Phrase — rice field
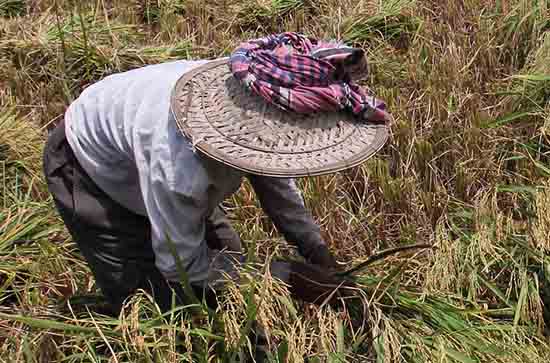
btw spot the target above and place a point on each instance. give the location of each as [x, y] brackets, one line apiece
[465, 170]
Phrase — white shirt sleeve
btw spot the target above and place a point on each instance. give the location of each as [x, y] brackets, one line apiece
[178, 219]
[176, 199]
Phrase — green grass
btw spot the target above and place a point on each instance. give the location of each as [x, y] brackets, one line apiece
[466, 170]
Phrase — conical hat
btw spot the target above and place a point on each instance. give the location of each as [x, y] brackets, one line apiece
[230, 124]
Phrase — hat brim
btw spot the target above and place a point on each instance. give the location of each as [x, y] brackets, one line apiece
[229, 124]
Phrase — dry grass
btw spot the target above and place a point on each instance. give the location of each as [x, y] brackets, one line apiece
[466, 169]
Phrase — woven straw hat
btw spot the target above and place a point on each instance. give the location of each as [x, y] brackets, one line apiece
[230, 124]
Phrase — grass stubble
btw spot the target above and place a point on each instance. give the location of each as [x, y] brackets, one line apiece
[466, 170]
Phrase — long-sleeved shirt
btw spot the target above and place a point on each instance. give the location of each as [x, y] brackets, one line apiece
[124, 135]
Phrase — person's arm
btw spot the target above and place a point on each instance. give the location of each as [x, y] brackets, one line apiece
[178, 219]
[283, 203]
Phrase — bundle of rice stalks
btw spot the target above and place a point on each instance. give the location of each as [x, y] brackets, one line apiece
[525, 35]
[389, 21]
[20, 156]
[92, 48]
[522, 23]
[11, 8]
[412, 325]
[62, 56]
[527, 105]
[153, 11]
[533, 84]
[26, 218]
[282, 7]
[266, 14]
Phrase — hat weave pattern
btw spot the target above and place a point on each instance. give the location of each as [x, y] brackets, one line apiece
[230, 124]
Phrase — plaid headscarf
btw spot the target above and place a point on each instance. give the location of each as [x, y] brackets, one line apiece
[305, 75]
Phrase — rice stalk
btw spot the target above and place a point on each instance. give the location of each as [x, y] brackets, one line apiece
[464, 170]
[11, 8]
[541, 226]
[388, 21]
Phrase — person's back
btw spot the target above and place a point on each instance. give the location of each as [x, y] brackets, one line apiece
[113, 125]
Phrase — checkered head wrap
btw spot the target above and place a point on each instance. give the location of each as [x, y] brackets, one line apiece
[305, 75]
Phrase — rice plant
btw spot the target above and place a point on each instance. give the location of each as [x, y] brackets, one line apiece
[465, 172]
[389, 21]
[11, 8]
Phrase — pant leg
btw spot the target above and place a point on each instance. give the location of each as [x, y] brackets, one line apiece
[115, 242]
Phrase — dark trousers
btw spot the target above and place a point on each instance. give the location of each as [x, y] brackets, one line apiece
[115, 242]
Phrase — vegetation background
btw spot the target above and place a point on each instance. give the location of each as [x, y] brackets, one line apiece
[466, 170]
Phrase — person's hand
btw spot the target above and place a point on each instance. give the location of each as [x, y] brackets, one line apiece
[322, 256]
[313, 284]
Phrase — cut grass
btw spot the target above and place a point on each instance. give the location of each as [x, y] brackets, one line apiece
[391, 21]
[12, 8]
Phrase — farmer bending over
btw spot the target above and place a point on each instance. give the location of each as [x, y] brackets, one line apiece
[144, 158]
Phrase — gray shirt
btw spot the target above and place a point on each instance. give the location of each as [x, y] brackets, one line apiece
[124, 135]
